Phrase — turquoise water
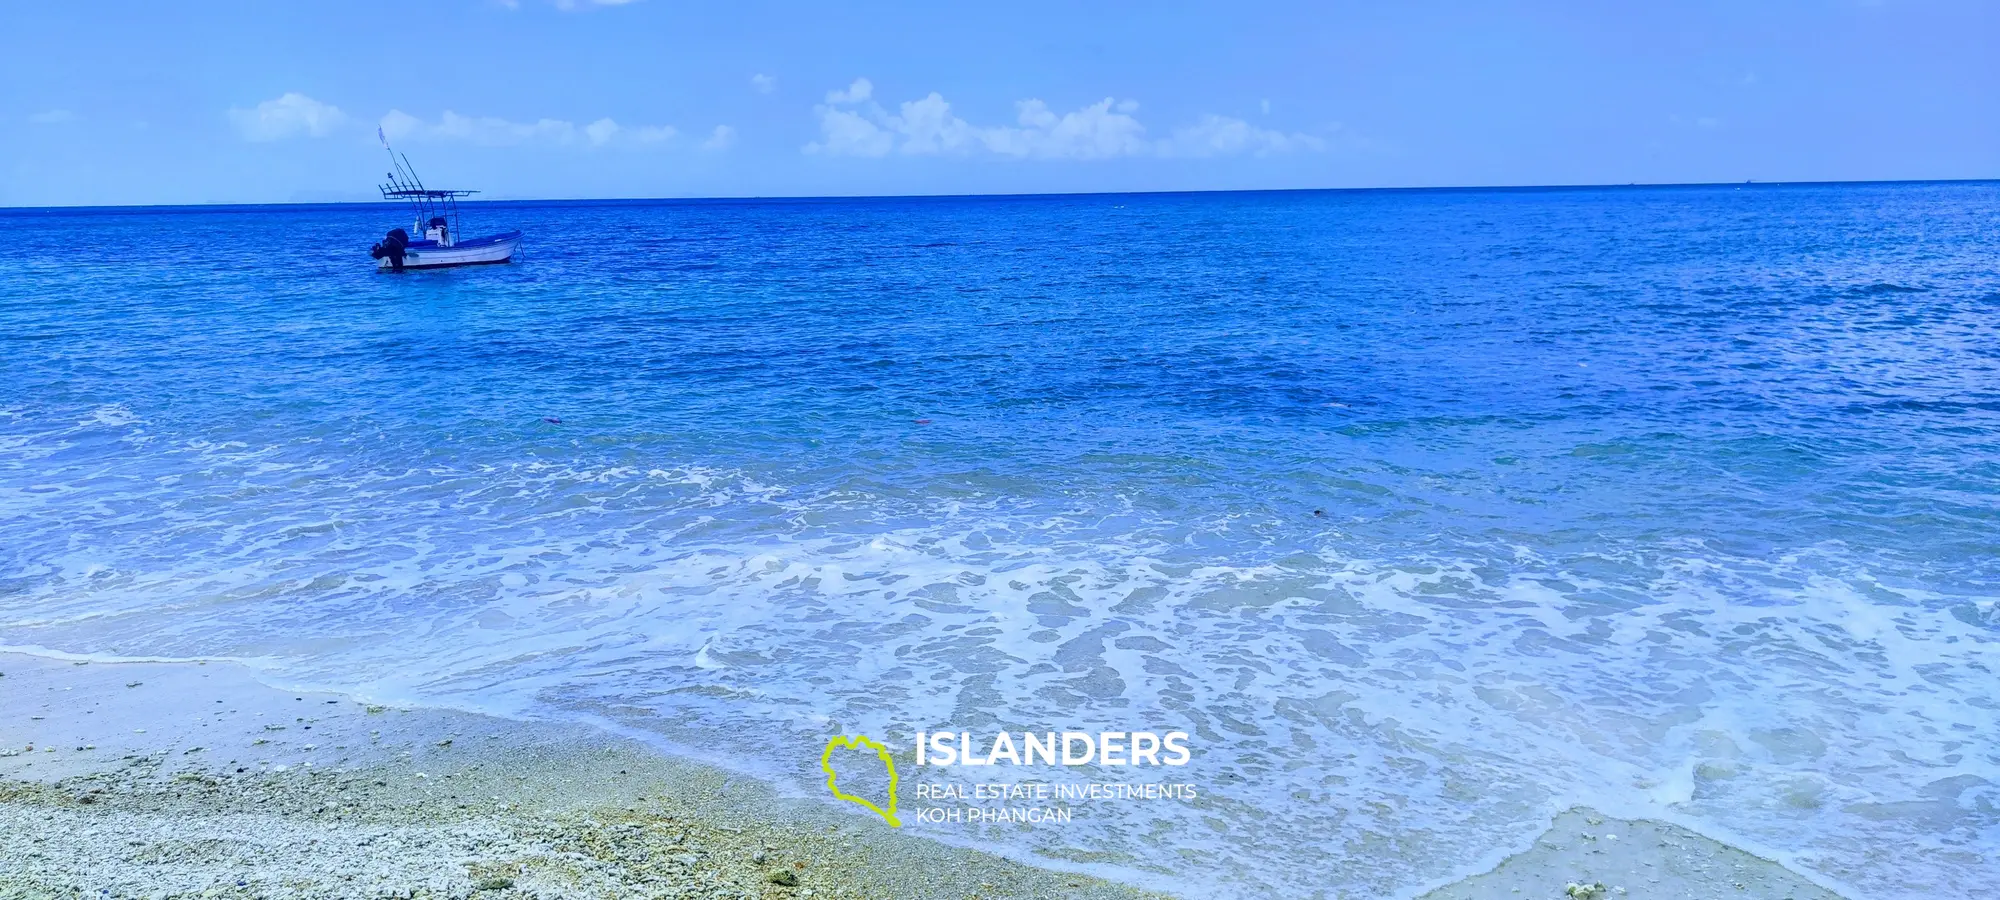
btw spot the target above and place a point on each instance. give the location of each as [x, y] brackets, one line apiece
[1425, 513]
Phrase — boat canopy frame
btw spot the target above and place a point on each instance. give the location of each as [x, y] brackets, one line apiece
[428, 203]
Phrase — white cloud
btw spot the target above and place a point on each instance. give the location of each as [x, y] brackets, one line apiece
[764, 83]
[488, 131]
[1224, 136]
[928, 126]
[485, 131]
[722, 138]
[652, 134]
[52, 117]
[857, 92]
[846, 133]
[601, 131]
[1099, 131]
[852, 124]
[291, 115]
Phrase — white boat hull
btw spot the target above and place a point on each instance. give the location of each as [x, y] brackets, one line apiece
[477, 252]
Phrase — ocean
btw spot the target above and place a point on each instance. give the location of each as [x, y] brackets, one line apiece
[1426, 514]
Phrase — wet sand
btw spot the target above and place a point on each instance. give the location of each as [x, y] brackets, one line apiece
[191, 780]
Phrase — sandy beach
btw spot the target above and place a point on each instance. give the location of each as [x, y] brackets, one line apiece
[189, 780]
[196, 780]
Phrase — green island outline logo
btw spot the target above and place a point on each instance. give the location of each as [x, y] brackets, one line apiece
[882, 753]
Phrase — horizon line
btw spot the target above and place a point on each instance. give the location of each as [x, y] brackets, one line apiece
[1642, 185]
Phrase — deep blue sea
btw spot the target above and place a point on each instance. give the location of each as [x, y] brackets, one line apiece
[1425, 513]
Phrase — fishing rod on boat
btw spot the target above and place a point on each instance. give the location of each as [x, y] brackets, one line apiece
[405, 177]
[395, 247]
[406, 167]
[436, 210]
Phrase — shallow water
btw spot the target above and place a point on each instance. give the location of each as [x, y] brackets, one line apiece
[1425, 513]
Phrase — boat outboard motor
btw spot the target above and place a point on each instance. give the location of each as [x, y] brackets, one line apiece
[392, 246]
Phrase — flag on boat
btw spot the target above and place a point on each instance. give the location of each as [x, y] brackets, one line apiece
[383, 137]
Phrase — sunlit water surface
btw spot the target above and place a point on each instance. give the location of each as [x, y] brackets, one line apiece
[1425, 513]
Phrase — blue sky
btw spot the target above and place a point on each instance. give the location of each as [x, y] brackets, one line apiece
[198, 102]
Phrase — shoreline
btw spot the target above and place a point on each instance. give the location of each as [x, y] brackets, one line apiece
[192, 779]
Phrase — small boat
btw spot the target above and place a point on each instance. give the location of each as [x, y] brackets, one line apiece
[437, 220]
[438, 250]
